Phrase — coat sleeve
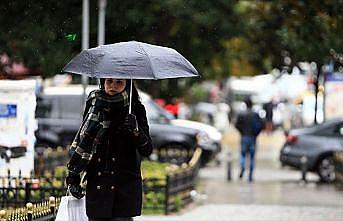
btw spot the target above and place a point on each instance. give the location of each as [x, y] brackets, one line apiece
[143, 141]
[239, 123]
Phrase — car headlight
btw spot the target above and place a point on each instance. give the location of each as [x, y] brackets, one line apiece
[9, 153]
[203, 138]
[287, 149]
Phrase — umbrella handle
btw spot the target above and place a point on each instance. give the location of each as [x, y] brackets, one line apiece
[130, 101]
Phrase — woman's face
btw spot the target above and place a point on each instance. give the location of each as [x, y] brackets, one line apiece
[114, 86]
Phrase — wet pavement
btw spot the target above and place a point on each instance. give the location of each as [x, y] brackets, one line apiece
[227, 212]
[276, 193]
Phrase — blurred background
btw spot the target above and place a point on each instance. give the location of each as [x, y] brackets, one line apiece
[287, 56]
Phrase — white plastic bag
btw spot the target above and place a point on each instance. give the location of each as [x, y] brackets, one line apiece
[72, 209]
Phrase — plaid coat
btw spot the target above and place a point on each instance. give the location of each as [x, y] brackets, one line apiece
[111, 159]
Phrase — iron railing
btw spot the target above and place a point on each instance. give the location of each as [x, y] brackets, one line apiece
[162, 195]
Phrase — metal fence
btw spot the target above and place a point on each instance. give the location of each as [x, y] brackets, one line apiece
[180, 182]
[17, 191]
[162, 195]
[44, 211]
[174, 191]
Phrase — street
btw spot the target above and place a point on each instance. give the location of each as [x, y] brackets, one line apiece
[276, 194]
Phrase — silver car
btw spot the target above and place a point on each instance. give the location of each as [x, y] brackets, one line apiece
[313, 148]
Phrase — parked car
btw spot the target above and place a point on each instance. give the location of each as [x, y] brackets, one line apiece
[8, 152]
[315, 147]
[59, 116]
[209, 137]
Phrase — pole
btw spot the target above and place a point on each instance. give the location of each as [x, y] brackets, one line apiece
[101, 24]
[319, 69]
[85, 41]
[130, 95]
[101, 21]
[303, 161]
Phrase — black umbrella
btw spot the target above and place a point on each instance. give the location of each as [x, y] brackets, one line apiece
[131, 60]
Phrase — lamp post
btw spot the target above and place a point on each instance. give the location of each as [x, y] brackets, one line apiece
[85, 41]
[101, 22]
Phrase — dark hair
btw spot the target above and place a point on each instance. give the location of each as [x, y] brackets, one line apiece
[248, 102]
[135, 96]
[102, 83]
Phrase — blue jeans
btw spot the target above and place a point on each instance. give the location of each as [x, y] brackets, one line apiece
[248, 145]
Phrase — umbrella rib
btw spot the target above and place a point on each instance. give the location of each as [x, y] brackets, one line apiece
[146, 54]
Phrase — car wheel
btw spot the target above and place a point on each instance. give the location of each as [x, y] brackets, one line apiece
[8, 159]
[326, 169]
[173, 153]
[5, 157]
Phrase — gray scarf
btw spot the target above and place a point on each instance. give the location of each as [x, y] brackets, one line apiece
[94, 125]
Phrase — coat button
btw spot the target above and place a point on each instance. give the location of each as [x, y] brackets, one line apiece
[99, 160]
[112, 187]
[99, 173]
[98, 187]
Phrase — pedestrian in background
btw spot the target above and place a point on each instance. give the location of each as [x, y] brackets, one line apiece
[268, 107]
[249, 124]
[109, 148]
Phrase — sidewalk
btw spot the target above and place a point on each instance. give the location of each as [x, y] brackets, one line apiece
[225, 212]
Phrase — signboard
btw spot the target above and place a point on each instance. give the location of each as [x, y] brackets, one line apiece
[8, 110]
[17, 126]
[333, 95]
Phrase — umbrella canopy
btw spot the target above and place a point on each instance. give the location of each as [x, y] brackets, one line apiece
[131, 60]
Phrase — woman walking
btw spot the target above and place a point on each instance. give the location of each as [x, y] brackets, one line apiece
[108, 148]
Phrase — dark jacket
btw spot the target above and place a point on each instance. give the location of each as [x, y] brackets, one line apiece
[246, 123]
[114, 183]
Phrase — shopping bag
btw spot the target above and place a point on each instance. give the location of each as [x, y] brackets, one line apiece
[72, 209]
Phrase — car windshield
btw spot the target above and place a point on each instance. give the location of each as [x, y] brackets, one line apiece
[59, 106]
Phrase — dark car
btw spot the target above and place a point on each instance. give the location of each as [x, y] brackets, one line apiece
[59, 117]
[313, 147]
[12, 152]
[209, 138]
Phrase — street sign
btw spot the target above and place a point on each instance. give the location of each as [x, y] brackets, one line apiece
[8, 110]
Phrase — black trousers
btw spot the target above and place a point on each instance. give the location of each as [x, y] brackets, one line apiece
[112, 219]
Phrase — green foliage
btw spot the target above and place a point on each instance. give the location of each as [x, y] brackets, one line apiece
[178, 202]
[306, 30]
[60, 171]
[219, 37]
[153, 202]
[196, 94]
[34, 31]
[152, 169]
[37, 34]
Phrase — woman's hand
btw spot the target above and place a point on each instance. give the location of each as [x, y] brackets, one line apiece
[73, 181]
[130, 124]
[76, 191]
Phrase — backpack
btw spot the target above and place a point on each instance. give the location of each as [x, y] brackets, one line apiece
[257, 124]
